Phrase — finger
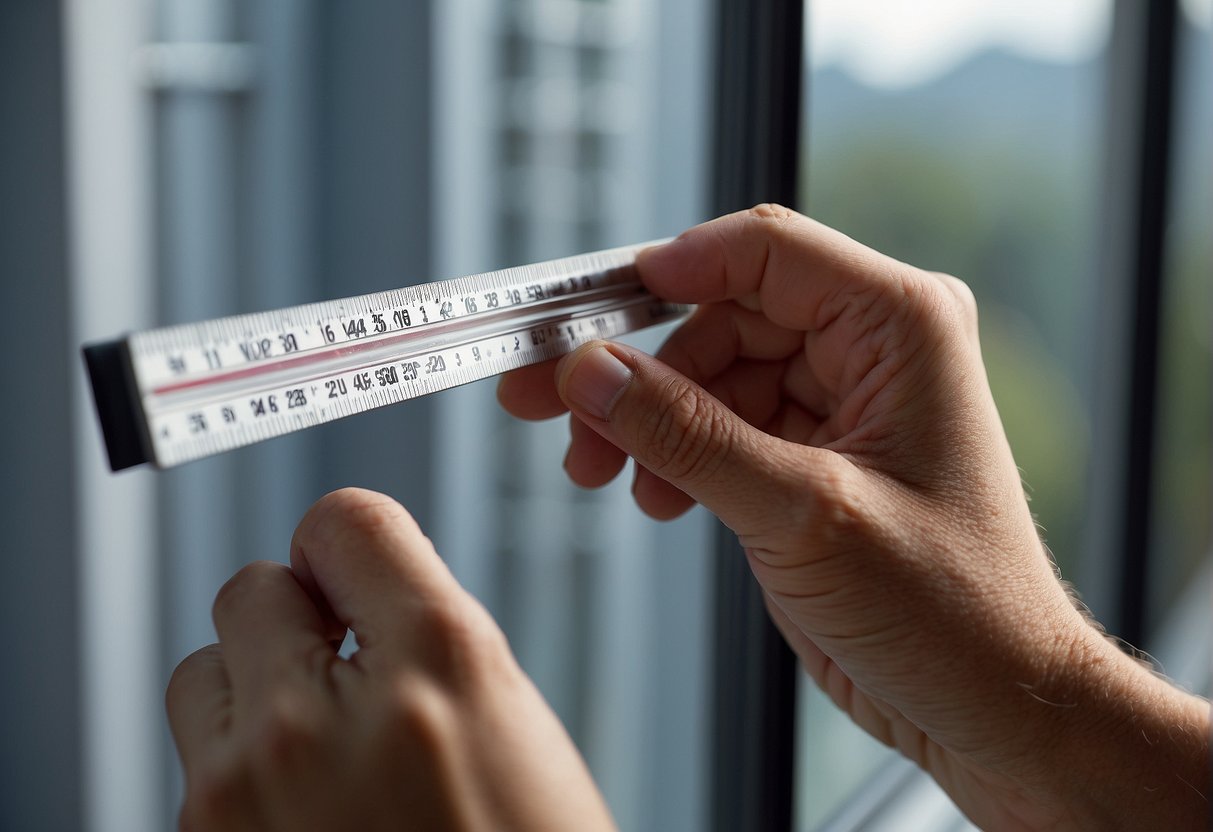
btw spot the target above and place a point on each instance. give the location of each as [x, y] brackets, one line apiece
[366, 555]
[592, 461]
[802, 273]
[968, 304]
[269, 630]
[751, 389]
[717, 335]
[658, 498]
[804, 388]
[733, 352]
[687, 437]
[198, 702]
[795, 424]
[530, 392]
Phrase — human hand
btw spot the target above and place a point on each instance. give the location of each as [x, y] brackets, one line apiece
[830, 405]
[429, 725]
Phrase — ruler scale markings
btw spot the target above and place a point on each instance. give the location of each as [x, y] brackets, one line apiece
[174, 394]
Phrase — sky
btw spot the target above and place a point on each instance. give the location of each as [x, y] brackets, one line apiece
[897, 43]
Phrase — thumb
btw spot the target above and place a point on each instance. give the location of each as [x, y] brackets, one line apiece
[687, 437]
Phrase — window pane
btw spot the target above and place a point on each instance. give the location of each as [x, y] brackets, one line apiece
[366, 146]
[583, 127]
[966, 138]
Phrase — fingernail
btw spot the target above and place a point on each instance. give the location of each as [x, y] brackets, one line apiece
[596, 381]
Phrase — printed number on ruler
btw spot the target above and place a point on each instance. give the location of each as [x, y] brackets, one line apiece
[216, 385]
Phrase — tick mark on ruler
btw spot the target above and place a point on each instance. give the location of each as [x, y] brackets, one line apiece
[546, 296]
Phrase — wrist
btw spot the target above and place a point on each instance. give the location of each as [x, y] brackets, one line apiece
[1131, 751]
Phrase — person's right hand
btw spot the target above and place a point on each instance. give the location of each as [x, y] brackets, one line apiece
[830, 405]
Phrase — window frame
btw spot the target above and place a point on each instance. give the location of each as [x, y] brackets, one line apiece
[759, 55]
[1152, 206]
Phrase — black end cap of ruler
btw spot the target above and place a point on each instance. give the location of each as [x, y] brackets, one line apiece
[114, 393]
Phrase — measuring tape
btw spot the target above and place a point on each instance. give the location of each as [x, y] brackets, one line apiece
[176, 394]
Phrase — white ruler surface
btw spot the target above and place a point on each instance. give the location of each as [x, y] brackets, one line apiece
[168, 396]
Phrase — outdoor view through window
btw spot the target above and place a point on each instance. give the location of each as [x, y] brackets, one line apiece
[969, 138]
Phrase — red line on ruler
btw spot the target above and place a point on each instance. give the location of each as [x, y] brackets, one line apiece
[324, 354]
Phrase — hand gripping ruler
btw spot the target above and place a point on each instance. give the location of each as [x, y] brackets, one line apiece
[168, 396]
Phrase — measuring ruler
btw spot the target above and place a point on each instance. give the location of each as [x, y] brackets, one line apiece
[168, 396]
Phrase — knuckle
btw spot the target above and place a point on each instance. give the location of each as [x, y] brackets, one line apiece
[688, 438]
[946, 300]
[244, 583]
[362, 510]
[773, 221]
[463, 646]
[964, 295]
[367, 515]
[179, 680]
[183, 675]
[838, 510]
[964, 302]
[420, 715]
[291, 730]
[772, 212]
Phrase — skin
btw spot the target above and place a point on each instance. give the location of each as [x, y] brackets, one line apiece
[431, 724]
[830, 406]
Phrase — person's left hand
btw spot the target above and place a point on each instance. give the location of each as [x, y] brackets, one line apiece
[431, 724]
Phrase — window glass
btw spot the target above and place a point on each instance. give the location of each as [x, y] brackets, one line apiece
[1183, 493]
[573, 117]
[965, 138]
[366, 146]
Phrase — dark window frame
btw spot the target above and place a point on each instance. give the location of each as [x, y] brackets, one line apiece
[759, 60]
[1156, 106]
